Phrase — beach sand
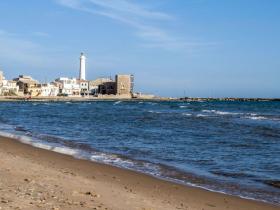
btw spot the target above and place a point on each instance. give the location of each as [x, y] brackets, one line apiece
[33, 178]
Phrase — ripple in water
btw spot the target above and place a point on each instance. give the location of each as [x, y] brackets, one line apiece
[231, 147]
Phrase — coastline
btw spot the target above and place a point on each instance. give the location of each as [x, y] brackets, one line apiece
[119, 98]
[34, 178]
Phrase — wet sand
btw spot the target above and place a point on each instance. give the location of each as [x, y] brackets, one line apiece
[33, 178]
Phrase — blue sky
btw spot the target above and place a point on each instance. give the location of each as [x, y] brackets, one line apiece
[209, 48]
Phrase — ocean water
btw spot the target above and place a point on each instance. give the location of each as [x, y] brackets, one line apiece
[229, 147]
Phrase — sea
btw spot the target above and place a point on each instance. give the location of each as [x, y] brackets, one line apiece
[229, 147]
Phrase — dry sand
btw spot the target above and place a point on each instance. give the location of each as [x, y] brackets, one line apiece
[32, 178]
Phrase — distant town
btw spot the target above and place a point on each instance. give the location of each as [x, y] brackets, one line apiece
[25, 87]
[105, 88]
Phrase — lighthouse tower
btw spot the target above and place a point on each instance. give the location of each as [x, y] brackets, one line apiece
[82, 67]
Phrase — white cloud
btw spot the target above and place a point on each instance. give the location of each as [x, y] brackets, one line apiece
[41, 34]
[127, 7]
[25, 55]
[20, 50]
[143, 20]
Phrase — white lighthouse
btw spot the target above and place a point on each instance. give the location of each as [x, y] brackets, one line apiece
[82, 67]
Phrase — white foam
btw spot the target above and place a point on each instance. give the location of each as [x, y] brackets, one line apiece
[183, 106]
[253, 114]
[8, 135]
[24, 139]
[187, 114]
[65, 151]
[30, 141]
[151, 103]
[151, 111]
[117, 102]
[209, 111]
[220, 112]
[257, 118]
[202, 115]
[112, 160]
[42, 146]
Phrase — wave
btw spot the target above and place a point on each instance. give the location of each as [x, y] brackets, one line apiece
[33, 142]
[187, 114]
[251, 116]
[221, 112]
[256, 117]
[182, 106]
[157, 170]
[117, 102]
[156, 112]
[151, 103]
[202, 115]
[111, 159]
[20, 128]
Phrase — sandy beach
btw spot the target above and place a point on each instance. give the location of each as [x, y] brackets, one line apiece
[33, 178]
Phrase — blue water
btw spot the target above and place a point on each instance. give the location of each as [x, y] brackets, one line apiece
[231, 147]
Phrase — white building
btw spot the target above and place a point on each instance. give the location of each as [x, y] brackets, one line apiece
[68, 86]
[82, 67]
[49, 90]
[10, 87]
[1, 77]
[84, 87]
[7, 87]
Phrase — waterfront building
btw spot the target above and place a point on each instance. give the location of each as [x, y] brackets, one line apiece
[49, 90]
[7, 87]
[27, 85]
[1, 81]
[68, 86]
[84, 87]
[82, 67]
[34, 90]
[94, 85]
[107, 88]
[124, 84]
[1, 77]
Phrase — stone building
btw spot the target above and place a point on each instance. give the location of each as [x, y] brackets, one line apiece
[107, 88]
[27, 85]
[95, 85]
[124, 84]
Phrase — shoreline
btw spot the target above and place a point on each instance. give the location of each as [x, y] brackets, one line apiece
[135, 187]
[116, 98]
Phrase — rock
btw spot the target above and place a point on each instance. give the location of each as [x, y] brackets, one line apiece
[88, 193]
[273, 183]
[82, 203]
